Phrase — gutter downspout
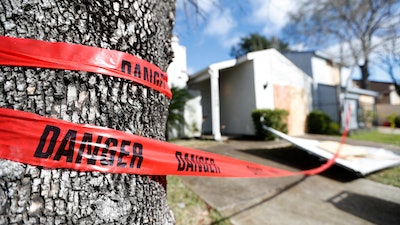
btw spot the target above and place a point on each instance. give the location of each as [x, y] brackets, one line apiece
[215, 108]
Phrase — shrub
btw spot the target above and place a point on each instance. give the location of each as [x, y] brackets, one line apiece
[276, 119]
[394, 120]
[391, 119]
[319, 122]
[175, 117]
[397, 121]
[333, 129]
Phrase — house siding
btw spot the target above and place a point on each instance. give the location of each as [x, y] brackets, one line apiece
[205, 90]
[328, 101]
[237, 99]
[323, 72]
[288, 88]
[263, 83]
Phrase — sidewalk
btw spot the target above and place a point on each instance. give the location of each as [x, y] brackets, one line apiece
[389, 130]
[334, 197]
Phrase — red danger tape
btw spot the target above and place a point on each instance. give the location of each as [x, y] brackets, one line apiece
[52, 143]
[60, 55]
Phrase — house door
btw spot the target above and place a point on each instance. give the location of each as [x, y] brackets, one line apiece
[352, 104]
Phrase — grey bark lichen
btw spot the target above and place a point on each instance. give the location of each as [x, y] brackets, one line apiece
[34, 195]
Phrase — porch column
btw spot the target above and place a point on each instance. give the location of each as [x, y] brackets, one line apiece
[215, 111]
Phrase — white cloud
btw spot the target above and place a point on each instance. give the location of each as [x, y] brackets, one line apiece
[273, 15]
[222, 18]
[345, 51]
[206, 5]
[299, 47]
[231, 40]
[214, 18]
[220, 23]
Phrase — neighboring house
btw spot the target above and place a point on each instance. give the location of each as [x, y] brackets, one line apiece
[332, 89]
[326, 80]
[388, 101]
[393, 96]
[386, 92]
[178, 77]
[232, 89]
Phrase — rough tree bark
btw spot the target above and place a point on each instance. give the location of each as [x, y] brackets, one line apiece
[34, 195]
[364, 75]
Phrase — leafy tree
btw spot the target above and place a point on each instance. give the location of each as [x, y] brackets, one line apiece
[177, 105]
[358, 27]
[37, 195]
[255, 42]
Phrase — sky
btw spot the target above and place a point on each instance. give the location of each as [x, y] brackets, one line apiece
[209, 35]
[208, 39]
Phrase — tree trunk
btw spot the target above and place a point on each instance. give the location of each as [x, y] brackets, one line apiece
[34, 195]
[364, 75]
[392, 76]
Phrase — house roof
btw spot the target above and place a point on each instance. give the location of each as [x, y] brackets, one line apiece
[204, 73]
[319, 54]
[362, 92]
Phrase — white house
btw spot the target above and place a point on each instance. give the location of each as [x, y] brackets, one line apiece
[232, 89]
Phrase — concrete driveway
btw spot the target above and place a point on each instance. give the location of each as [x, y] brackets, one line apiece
[335, 197]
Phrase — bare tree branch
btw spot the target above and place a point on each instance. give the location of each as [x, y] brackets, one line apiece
[353, 23]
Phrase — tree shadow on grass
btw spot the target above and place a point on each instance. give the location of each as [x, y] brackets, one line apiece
[299, 159]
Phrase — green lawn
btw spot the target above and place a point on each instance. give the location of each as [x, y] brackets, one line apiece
[375, 136]
[389, 176]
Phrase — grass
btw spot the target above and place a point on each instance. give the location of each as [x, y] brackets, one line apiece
[389, 176]
[375, 136]
[188, 208]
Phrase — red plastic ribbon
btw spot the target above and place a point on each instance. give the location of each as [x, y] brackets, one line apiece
[53, 143]
[60, 55]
